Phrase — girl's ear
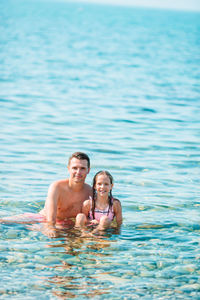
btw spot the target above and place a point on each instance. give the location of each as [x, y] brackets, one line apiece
[112, 186]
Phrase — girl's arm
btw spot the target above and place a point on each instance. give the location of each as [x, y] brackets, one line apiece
[117, 211]
[86, 207]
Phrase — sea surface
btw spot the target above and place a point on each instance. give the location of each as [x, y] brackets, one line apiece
[123, 85]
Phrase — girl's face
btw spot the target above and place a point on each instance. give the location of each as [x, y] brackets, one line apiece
[103, 185]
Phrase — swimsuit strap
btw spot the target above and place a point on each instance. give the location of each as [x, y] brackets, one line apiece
[109, 209]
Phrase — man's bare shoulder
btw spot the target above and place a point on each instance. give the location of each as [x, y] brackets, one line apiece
[59, 184]
[88, 187]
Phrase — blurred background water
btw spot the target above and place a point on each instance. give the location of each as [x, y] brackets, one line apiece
[122, 85]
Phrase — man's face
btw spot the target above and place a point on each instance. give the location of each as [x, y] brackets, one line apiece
[78, 169]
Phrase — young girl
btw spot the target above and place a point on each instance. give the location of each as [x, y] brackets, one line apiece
[102, 208]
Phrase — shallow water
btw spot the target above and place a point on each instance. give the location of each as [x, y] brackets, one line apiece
[121, 84]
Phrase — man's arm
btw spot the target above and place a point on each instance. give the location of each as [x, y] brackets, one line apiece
[51, 203]
[51, 210]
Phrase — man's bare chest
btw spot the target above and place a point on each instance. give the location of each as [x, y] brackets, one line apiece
[69, 205]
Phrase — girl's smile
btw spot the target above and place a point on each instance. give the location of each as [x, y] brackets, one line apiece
[103, 185]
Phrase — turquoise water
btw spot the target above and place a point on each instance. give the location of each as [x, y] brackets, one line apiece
[122, 85]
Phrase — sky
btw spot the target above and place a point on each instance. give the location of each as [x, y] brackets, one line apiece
[193, 5]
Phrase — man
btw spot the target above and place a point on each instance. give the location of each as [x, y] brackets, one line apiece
[66, 196]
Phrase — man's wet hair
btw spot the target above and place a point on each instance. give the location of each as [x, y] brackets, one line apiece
[81, 156]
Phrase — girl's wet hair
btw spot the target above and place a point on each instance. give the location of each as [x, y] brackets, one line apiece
[94, 194]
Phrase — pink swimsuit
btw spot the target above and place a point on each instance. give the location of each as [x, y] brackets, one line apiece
[99, 213]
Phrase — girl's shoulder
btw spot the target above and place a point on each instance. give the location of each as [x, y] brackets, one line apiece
[115, 200]
[116, 203]
[87, 203]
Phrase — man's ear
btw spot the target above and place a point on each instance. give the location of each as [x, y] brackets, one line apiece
[68, 168]
[112, 185]
[88, 170]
